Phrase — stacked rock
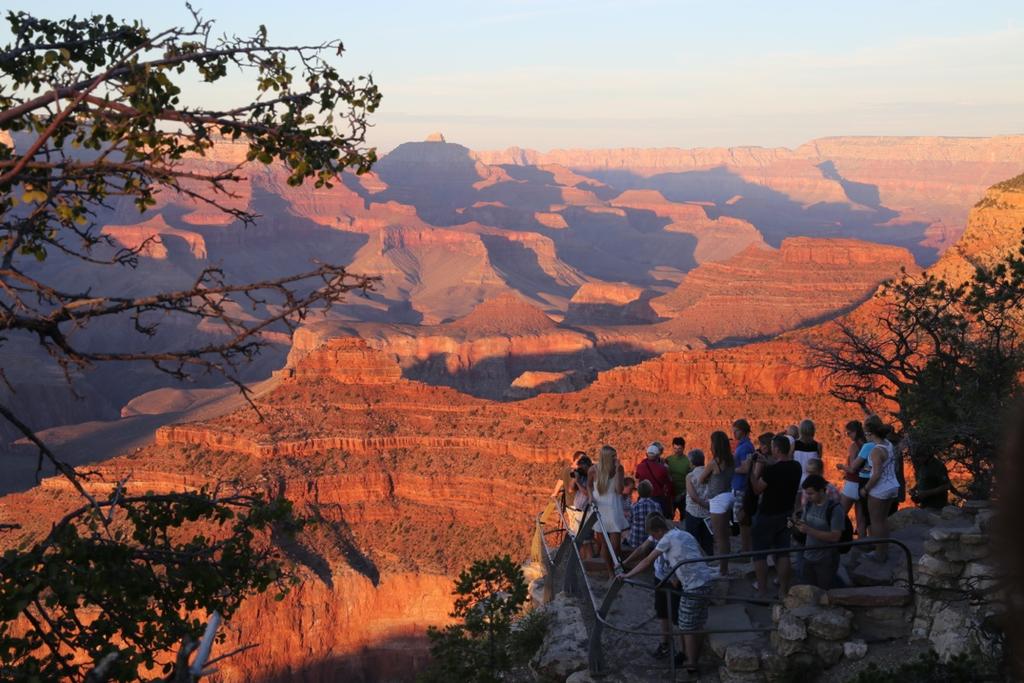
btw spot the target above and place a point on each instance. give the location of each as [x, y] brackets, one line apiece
[810, 635]
[959, 594]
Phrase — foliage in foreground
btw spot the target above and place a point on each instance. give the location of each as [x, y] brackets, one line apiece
[104, 117]
[135, 575]
[947, 357]
[488, 597]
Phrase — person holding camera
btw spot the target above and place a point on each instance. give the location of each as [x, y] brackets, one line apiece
[777, 485]
[822, 522]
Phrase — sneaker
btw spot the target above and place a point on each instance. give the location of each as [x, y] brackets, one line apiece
[661, 652]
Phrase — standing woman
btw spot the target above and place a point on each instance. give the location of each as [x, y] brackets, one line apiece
[698, 513]
[851, 473]
[718, 476]
[606, 493]
[883, 486]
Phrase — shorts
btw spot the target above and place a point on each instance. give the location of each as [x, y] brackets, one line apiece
[666, 601]
[821, 573]
[693, 608]
[771, 532]
[851, 489]
[722, 503]
[737, 508]
[885, 494]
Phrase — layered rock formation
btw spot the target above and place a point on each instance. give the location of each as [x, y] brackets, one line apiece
[615, 303]
[927, 184]
[763, 291]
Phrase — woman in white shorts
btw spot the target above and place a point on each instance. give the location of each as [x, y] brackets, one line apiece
[883, 486]
[718, 478]
[852, 480]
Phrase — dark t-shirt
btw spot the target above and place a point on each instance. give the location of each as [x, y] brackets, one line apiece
[930, 475]
[783, 480]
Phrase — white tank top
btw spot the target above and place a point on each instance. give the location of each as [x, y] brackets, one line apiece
[887, 480]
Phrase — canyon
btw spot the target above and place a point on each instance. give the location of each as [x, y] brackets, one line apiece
[612, 245]
[531, 304]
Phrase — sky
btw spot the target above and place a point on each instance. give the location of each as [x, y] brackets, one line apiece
[547, 74]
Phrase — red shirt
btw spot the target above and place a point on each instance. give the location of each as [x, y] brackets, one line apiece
[657, 473]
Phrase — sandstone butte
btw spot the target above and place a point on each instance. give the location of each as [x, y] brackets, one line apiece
[764, 291]
[414, 480]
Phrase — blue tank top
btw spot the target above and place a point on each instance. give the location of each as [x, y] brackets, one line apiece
[865, 455]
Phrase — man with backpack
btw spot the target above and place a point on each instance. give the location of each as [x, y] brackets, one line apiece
[823, 522]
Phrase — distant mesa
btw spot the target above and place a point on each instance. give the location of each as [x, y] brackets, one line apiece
[533, 382]
[349, 361]
[610, 303]
[504, 315]
[436, 136]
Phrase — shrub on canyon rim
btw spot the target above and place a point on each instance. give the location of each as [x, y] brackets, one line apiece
[96, 116]
[948, 358]
[488, 597]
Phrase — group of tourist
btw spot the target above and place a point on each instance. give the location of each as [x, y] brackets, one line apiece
[773, 495]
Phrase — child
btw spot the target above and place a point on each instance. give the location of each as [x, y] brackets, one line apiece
[666, 547]
[642, 508]
[817, 467]
[628, 487]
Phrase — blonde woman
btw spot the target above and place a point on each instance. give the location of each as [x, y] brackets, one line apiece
[606, 479]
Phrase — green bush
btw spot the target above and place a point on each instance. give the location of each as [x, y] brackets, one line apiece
[527, 635]
[928, 668]
[488, 596]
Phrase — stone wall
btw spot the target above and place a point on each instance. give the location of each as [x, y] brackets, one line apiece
[959, 593]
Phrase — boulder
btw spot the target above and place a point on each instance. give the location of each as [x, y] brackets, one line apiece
[883, 623]
[587, 677]
[741, 657]
[773, 663]
[951, 633]
[727, 676]
[828, 651]
[869, 596]
[791, 628]
[950, 533]
[787, 648]
[805, 595]
[871, 573]
[855, 649]
[831, 624]
[564, 650]
[911, 516]
[933, 566]
[979, 576]
[984, 520]
[967, 552]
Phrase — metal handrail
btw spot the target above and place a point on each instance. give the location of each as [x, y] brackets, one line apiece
[800, 549]
[600, 612]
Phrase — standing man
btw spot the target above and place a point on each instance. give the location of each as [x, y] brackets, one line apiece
[654, 470]
[742, 457]
[678, 467]
[777, 485]
[931, 481]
